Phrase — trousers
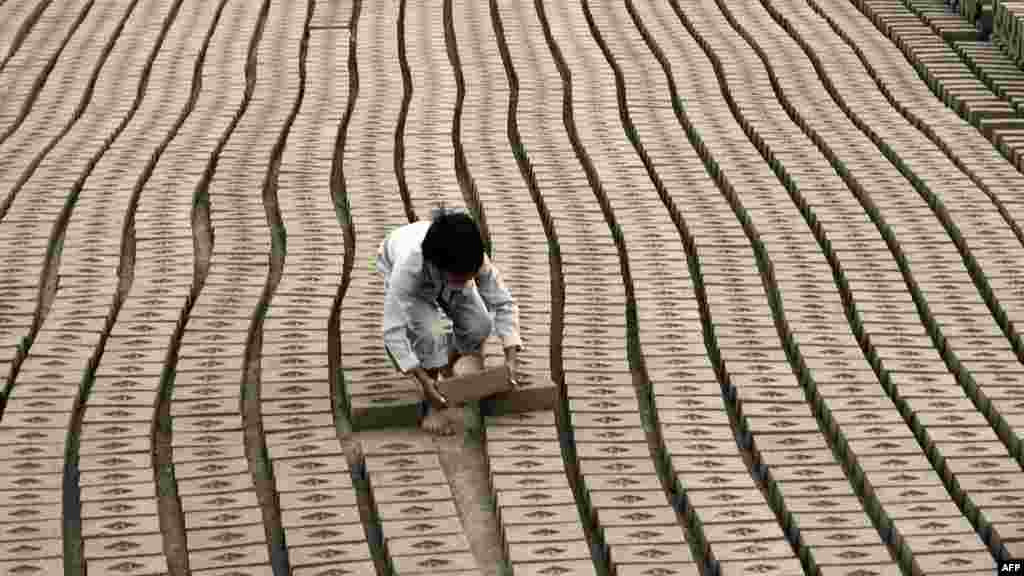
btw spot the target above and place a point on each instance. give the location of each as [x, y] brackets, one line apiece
[457, 319]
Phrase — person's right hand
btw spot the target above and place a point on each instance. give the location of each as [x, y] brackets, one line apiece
[430, 390]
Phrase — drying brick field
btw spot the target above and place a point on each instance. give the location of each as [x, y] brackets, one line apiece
[768, 256]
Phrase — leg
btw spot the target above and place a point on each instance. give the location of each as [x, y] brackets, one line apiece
[430, 338]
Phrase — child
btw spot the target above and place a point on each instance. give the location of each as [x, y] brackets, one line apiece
[429, 268]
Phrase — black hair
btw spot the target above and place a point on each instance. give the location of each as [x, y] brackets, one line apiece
[453, 243]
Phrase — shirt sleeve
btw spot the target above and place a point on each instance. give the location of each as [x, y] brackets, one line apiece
[402, 285]
[499, 299]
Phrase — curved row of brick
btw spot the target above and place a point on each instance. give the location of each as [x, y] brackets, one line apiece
[940, 66]
[1007, 23]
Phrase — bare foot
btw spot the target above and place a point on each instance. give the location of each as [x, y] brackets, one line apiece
[436, 422]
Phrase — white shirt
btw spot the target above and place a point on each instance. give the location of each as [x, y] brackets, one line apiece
[410, 276]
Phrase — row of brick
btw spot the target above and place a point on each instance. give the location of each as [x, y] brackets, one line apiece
[320, 518]
[841, 414]
[419, 520]
[51, 386]
[927, 418]
[633, 519]
[28, 225]
[1008, 16]
[975, 372]
[54, 34]
[789, 447]
[951, 79]
[1000, 73]
[946, 23]
[540, 528]
[516, 233]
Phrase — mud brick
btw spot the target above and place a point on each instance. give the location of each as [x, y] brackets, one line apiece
[874, 431]
[306, 449]
[548, 551]
[971, 420]
[295, 467]
[284, 439]
[526, 464]
[608, 420]
[90, 447]
[116, 546]
[320, 515]
[382, 478]
[418, 510]
[707, 464]
[607, 499]
[910, 510]
[11, 483]
[205, 439]
[334, 534]
[764, 550]
[30, 436]
[1009, 498]
[215, 485]
[983, 465]
[293, 390]
[527, 432]
[207, 423]
[211, 364]
[617, 466]
[991, 482]
[432, 544]
[221, 518]
[434, 563]
[219, 502]
[38, 566]
[135, 566]
[701, 433]
[839, 539]
[564, 568]
[541, 533]
[900, 445]
[106, 462]
[277, 422]
[970, 449]
[359, 568]
[904, 478]
[955, 561]
[849, 503]
[237, 535]
[895, 463]
[235, 556]
[104, 527]
[544, 514]
[34, 451]
[316, 491]
[402, 463]
[423, 527]
[119, 508]
[29, 497]
[944, 543]
[651, 516]
[207, 406]
[412, 493]
[184, 471]
[197, 454]
[31, 550]
[931, 526]
[535, 497]
[118, 476]
[208, 378]
[609, 450]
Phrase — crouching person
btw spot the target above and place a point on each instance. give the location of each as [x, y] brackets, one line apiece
[434, 269]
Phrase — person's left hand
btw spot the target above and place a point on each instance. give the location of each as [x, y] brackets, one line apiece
[512, 363]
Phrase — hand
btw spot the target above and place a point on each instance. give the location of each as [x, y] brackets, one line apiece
[430, 391]
[512, 363]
